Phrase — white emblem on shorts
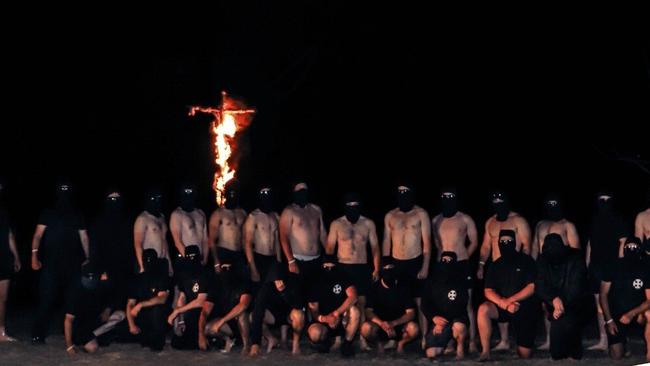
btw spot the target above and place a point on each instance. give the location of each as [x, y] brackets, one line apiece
[637, 284]
[452, 295]
[195, 288]
[337, 289]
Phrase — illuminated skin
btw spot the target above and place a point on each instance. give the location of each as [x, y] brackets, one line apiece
[351, 240]
[489, 246]
[225, 230]
[642, 225]
[565, 228]
[451, 234]
[261, 236]
[150, 232]
[408, 235]
[302, 231]
[189, 228]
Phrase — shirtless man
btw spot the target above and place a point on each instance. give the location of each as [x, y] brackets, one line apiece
[349, 236]
[261, 242]
[407, 238]
[554, 222]
[150, 230]
[302, 233]
[225, 231]
[503, 219]
[455, 231]
[642, 222]
[188, 224]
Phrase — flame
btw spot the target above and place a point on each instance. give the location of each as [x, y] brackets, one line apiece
[230, 118]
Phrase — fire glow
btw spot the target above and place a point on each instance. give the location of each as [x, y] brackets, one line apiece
[229, 119]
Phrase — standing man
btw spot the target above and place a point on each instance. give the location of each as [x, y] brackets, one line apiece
[150, 230]
[59, 248]
[188, 224]
[9, 262]
[225, 231]
[261, 241]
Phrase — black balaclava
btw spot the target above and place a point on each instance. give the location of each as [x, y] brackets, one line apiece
[153, 204]
[405, 198]
[89, 277]
[265, 199]
[301, 194]
[64, 196]
[632, 251]
[553, 208]
[507, 244]
[448, 264]
[150, 260]
[604, 202]
[554, 249]
[188, 198]
[192, 263]
[387, 271]
[113, 204]
[448, 202]
[232, 198]
[352, 207]
[500, 205]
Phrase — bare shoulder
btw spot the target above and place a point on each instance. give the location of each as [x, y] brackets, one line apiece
[421, 212]
[288, 211]
[518, 219]
[315, 208]
[644, 215]
[178, 211]
[466, 218]
[368, 222]
[436, 219]
[389, 215]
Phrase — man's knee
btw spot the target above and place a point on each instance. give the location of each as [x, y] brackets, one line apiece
[317, 333]
[369, 331]
[412, 329]
[484, 310]
[91, 347]
[458, 330]
[297, 318]
[646, 315]
[524, 352]
[354, 313]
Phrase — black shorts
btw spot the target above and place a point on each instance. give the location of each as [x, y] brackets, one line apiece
[466, 269]
[309, 275]
[383, 336]
[595, 273]
[280, 314]
[439, 340]
[6, 268]
[263, 264]
[407, 273]
[82, 332]
[523, 322]
[623, 331]
[359, 275]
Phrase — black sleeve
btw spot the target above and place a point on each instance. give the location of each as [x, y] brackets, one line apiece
[261, 302]
[543, 287]
[134, 289]
[530, 270]
[204, 284]
[491, 280]
[428, 306]
[609, 271]
[72, 305]
[407, 300]
[45, 217]
[577, 288]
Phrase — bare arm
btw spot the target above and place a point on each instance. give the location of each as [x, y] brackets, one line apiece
[286, 219]
[523, 235]
[175, 227]
[139, 229]
[194, 304]
[67, 330]
[523, 294]
[14, 251]
[374, 248]
[588, 253]
[332, 239]
[604, 300]
[349, 301]
[472, 235]
[572, 236]
[426, 244]
[535, 250]
[642, 307]
[493, 296]
[244, 301]
[36, 243]
[407, 317]
[638, 227]
[213, 235]
[159, 299]
[276, 239]
[248, 234]
[386, 244]
[85, 242]
[486, 246]
[205, 243]
[436, 236]
[323, 231]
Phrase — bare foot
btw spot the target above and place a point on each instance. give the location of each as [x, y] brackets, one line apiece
[600, 346]
[485, 356]
[502, 346]
[337, 344]
[6, 338]
[390, 344]
[449, 350]
[272, 342]
[363, 345]
[296, 350]
[460, 352]
[229, 344]
[545, 346]
[400, 347]
[255, 350]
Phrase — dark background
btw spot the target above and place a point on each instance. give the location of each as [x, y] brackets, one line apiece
[352, 98]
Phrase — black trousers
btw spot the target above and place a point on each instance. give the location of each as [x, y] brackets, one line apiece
[566, 337]
[190, 337]
[52, 286]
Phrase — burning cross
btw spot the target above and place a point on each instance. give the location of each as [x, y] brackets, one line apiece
[224, 128]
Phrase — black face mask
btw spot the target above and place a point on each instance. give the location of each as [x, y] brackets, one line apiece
[604, 206]
[352, 213]
[232, 199]
[265, 202]
[113, 205]
[553, 211]
[63, 198]
[632, 253]
[449, 205]
[554, 249]
[301, 197]
[188, 201]
[405, 200]
[501, 210]
[388, 276]
[154, 205]
[507, 247]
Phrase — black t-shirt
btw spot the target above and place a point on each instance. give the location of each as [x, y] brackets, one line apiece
[225, 295]
[193, 285]
[6, 257]
[61, 245]
[147, 285]
[629, 283]
[329, 292]
[606, 231]
[389, 303]
[111, 246]
[82, 303]
[446, 295]
[507, 277]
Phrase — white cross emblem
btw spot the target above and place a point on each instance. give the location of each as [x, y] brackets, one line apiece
[195, 288]
[452, 295]
[337, 289]
[637, 284]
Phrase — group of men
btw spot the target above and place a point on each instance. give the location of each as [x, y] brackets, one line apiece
[274, 274]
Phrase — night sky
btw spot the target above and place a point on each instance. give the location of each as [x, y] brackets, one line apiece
[351, 98]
